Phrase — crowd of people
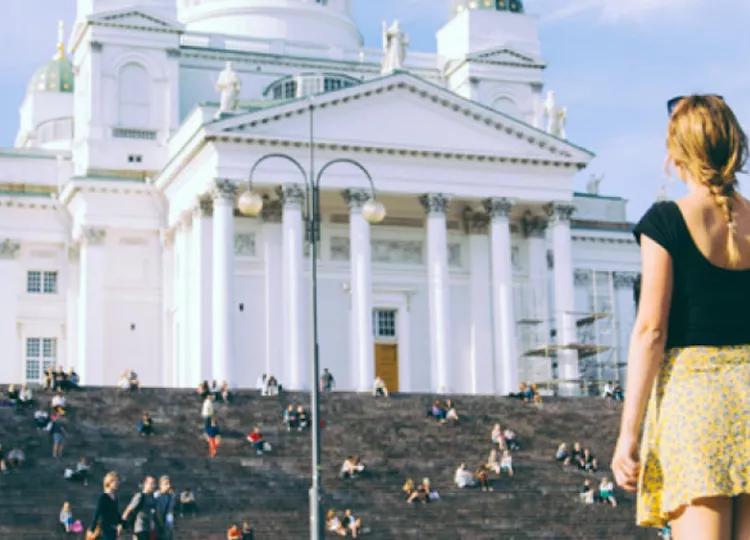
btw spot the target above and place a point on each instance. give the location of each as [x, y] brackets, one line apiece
[443, 412]
[343, 525]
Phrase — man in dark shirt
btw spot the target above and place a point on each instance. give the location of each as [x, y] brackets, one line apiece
[326, 381]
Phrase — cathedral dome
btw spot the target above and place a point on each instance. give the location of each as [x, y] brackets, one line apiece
[55, 76]
[323, 23]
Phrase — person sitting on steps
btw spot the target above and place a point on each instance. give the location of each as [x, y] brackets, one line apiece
[145, 425]
[351, 468]
[482, 475]
[451, 414]
[353, 524]
[303, 419]
[379, 388]
[333, 523]
[256, 439]
[463, 477]
[203, 390]
[506, 463]
[562, 453]
[290, 418]
[187, 503]
[437, 411]
[493, 463]
[511, 440]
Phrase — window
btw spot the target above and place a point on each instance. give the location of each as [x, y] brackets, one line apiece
[50, 282]
[34, 282]
[384, 322]
[134, 88]
[41, 354]
[41, 282]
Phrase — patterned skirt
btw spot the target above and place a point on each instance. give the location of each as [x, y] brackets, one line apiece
[696, 437]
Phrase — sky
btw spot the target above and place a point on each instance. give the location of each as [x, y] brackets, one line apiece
[612, 63]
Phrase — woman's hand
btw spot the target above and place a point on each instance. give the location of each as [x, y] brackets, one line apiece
[625, 465]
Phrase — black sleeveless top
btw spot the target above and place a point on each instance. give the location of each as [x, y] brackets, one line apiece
[710, 305]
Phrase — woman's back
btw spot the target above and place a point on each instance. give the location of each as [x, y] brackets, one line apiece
[710, 303]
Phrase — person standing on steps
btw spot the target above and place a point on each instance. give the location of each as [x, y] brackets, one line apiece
[207, 410]
[688, 378]
[142, 509]
[327, 382]
[107, 518]
[165, 504]
[57, 433]
[213, 436]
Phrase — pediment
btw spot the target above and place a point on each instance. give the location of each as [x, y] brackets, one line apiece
[136, 18]
[405, 114]
[506, 56]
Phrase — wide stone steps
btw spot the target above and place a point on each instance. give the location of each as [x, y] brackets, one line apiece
[394, 437]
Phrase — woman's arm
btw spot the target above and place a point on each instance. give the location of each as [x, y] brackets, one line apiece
[644, 356]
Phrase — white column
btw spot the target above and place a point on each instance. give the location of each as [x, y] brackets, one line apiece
[272, 287]
[360, 268]
[11, 282]
[503, 316]
[92, 354]
[200, 306]
[435, 205]
[71, 307]
[537, 293]
[184, 296]
[293, 299]
[565, 318]
[480, 354]
[168, 279]
[223, 281]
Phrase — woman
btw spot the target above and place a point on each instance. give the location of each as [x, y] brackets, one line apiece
[333, 523]
[107, 514]
[493, 463]
[607, 492]
[690, 347]
[497, 437]
[506, 463]
[213, 436]
[66, 517]
[562, 452]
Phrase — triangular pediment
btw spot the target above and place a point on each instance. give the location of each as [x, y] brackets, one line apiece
[506, 56]
[139, 18]
[405, 114]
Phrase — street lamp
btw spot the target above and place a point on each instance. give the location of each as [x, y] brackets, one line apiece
[373, 211]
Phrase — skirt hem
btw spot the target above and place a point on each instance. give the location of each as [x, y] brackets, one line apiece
[660, 520]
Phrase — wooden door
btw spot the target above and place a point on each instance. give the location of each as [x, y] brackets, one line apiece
[386, 364]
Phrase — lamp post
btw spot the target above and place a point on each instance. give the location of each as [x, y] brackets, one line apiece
[250, 203]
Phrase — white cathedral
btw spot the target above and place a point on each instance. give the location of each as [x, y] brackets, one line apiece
[122, 245]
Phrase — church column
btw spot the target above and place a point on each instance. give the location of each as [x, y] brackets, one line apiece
[10, 283]
[293, 299]
[200, 303]
[272, 286]
[184, 297]
[360, 269]
[503, 316]
[168, 314]
[72, 282]
[480, 354]
[223, 281]
[565, 321]
[537, 293]
[435, 205]
[91, 307]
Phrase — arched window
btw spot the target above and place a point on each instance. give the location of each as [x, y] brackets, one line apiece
[135, 94]
[506, 105]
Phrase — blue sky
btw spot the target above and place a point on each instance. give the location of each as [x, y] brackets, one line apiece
[613, 63]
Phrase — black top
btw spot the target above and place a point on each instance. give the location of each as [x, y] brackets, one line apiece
[106, 514]
[710, 305]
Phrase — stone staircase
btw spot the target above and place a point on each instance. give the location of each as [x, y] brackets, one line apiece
[394, 437]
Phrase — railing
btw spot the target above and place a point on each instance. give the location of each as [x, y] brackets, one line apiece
[134, 133]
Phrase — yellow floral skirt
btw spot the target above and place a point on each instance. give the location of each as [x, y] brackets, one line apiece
[696, 437]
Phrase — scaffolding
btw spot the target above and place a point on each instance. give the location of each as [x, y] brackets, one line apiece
[596, 342]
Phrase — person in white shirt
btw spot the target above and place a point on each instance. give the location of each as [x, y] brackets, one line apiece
[207, 410]
[333, 523]
[463, 477]
[260, 383]
[379, 388]
[59, 402]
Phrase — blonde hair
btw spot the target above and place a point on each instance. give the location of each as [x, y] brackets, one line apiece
[706, 141]
[109, 479]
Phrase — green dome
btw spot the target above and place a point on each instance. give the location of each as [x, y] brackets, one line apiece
[514, 6]
[56, 76]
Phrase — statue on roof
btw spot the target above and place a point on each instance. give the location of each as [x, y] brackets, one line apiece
[592, 186]
[395, 42]
[229, 84]
[556, 116]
